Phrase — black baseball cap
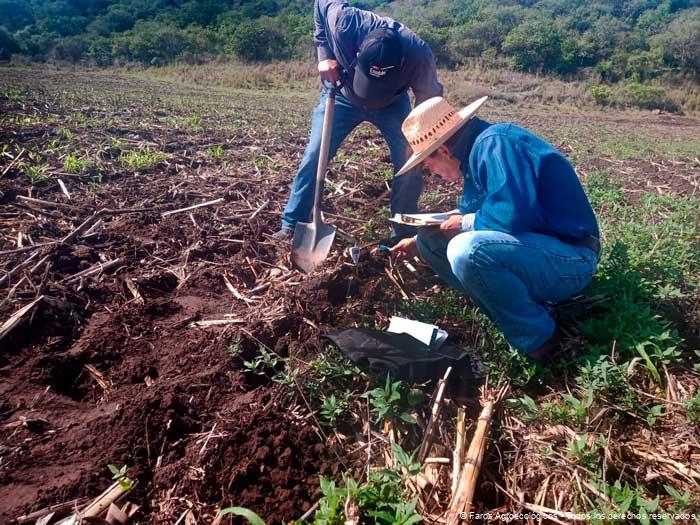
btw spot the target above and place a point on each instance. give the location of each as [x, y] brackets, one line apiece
[378, 69]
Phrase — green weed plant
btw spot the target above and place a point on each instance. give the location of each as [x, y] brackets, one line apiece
[141, 159]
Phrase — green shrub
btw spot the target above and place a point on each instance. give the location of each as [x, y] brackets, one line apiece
[680, 44]
[8, 45]
[70, 49]
[380, 499]
[643, 96]
[601, 94]
[534, 45]
[259, 39]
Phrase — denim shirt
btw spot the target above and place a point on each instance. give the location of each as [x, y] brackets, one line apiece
[339, 32]
[516, 182]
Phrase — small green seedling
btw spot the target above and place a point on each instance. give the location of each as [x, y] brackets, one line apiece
[119, 475]
[331, 408]
[74, 164]
[37, 174]
[391, 402]
[266, 360]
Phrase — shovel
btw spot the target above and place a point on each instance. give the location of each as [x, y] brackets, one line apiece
[312, 241]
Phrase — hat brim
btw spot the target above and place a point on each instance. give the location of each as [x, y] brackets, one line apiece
[464, 115]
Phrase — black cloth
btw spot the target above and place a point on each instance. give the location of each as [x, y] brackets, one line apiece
[405, 357]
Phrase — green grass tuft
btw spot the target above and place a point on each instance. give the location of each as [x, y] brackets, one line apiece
[140, 159]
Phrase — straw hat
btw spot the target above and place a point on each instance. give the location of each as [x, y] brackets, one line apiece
[431, 124]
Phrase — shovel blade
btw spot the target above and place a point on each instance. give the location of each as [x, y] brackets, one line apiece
[311, 244]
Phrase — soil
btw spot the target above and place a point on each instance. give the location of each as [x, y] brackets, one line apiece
[176, 407]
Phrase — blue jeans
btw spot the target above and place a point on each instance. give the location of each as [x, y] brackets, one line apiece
[510, 277]
[405, 190]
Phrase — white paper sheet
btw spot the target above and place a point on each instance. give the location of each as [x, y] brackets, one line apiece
[428, 334]
[423, 219]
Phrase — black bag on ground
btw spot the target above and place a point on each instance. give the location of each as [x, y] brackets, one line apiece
[405, 357]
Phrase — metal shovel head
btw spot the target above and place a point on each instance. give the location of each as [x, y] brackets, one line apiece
[311, 243]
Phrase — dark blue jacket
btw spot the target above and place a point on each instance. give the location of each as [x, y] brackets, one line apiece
[339, 31]
[516, 182]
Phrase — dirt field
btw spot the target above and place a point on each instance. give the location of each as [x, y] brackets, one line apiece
[111, 367]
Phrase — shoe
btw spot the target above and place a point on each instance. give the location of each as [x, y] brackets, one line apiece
[545, 352]
[284, 234]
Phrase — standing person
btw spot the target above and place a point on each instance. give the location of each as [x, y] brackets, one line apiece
[378, 59]
[526, 234]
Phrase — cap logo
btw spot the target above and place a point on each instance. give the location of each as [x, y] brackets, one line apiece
[379, 72]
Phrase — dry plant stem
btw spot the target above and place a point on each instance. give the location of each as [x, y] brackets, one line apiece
[21, 265]
[17, 317]
[49, 204]
[543, 511]
[63, 188]
[676, 466]
[105, 212]
[217, 322]
[103, 501]
[202, 205]
[458, 456]
[44, 279]
[115, 516]
[464, 495]
[131, 285]
[37, 266]
[206, 441]
[343, 218]
[352, 512]
[309, 512]
[12, 291]
[235, 292]
[98, 268]
[81, 228]
[393, 280]
[27, 248]
[98, 377]
[437, 461]
[59, 507]
[13, 163]
[84, 226]
[261, 208]
[369, 440]
[434, 416]
[130, 508]
[32, 210]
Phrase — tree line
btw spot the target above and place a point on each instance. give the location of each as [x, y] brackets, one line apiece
[620, 39]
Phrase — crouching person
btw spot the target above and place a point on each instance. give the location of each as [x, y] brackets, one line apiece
[526, 234]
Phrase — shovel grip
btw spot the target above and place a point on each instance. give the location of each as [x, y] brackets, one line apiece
[335, 86]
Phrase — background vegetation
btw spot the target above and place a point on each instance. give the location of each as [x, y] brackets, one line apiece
[637, 40]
